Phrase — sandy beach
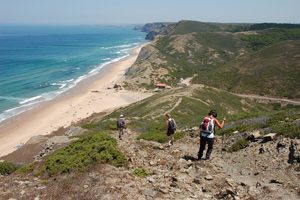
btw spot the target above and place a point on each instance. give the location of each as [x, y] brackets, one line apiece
[61, 112]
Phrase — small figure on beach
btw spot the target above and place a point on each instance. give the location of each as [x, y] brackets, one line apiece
[170, 129]
[19, 146]
[120, 126]
[207, 129]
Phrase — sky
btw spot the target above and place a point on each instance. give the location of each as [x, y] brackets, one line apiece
[147, 11]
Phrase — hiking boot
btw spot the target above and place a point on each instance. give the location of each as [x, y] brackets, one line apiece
[207, 159]
[172, 143]
[198, 158]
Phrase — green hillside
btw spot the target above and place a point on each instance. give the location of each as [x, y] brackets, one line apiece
[186, 27]
[272, 71]
[187, 105]
[263, 61]
[186, 55]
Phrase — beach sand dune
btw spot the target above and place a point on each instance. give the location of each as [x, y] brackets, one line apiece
[51, 116]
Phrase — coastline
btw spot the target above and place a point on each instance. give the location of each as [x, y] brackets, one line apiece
[79, 103]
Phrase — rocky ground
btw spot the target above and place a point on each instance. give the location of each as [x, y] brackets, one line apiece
[267, 169]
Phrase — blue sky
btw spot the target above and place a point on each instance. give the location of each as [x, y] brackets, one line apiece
[147, 11]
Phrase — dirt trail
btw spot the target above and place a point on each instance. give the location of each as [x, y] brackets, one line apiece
[270, 98]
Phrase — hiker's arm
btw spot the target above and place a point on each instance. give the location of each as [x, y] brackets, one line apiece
[218, 123]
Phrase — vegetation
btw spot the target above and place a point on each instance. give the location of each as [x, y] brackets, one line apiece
[269, 37]
[27, 168]
[272, 71]
[241, 144]
[261, 62]
[6, 168]
[283, 123]
[187, 106]
[141, 172]
[186, 27]
[93, 148]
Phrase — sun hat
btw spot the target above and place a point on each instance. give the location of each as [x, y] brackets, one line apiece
[121, 116]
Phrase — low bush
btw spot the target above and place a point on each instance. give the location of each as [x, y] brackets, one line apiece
[94, 148]
[242, 143]
[140, 172]
[6, 168]
[27, 168]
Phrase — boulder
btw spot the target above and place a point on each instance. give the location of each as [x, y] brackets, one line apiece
[269, 137]
[254, 135]
[74, 130]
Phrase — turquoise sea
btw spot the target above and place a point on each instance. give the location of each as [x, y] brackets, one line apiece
[39, 63]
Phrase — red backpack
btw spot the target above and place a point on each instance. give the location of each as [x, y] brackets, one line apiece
[207, 125]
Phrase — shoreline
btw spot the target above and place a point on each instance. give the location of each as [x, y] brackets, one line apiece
[73, 106]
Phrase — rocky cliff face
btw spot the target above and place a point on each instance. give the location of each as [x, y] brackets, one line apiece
[154, 29]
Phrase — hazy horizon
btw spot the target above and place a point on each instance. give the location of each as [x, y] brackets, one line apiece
[131, 12]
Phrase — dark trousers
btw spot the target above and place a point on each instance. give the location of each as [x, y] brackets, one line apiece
[203, 141]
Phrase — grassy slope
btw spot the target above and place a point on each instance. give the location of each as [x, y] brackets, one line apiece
[202, 48]
[187, 105]
[274, 71]
[202, 51]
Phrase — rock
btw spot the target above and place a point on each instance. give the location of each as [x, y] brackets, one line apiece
[161, 147]
[75, 130]
[254, 135]
[197, 181]
[150, 193]
[269, 137]
[164, 191]
[209, 177]
[151, 163]
[253, 191]
[231, 182]
[57, 142]
[276, 181]
[198, 193]
[173, 184]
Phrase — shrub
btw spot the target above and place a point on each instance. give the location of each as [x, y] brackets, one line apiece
[6, 168]
[27, 168]
[276, 106]
[140, 172]
[242, 143]
[95, 148]
[89, 126]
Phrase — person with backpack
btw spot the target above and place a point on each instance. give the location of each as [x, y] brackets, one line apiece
[121, 125]
[170, 129]
[207, 129]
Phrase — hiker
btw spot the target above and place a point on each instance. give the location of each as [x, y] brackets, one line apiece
[170, 129]
[207, 129]
[121, 125]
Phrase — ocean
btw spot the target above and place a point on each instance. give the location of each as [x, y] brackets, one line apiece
[39, 63]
